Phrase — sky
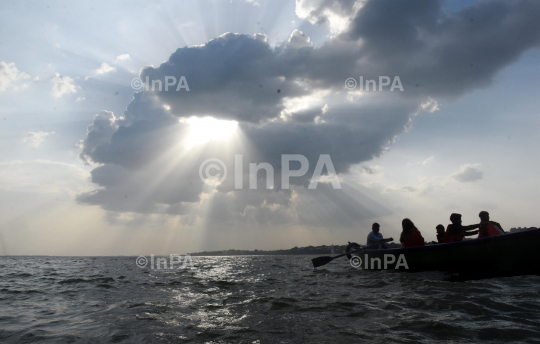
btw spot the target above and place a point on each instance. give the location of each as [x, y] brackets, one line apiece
[91, 165]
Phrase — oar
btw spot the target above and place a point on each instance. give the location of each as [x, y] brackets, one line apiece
[320, 261]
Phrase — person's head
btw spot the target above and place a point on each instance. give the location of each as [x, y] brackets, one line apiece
[455, 218]
[407, 224]
[375, 227]
[440, 229]
[484, 216]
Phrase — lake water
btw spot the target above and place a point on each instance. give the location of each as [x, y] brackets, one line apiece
[255, 299]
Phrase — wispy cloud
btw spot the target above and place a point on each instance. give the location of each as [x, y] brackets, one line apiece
[62, 85]
[468, 173]
[104, 69]
[123, 57]
[406, 188]
[11, 77]
[431, 105]
[35, 138]
[422, 163]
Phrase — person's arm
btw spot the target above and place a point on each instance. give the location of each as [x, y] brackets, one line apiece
[377, 239]
[470, 227]
[381, 240]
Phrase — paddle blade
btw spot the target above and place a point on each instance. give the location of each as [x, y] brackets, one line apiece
[320, 261]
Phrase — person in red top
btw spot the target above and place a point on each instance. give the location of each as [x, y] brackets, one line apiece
[410, 236]
[488, 228]
[456, 231]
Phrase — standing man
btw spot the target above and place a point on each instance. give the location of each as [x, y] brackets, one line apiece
[374, 237]
[488, 228]
[456, 232]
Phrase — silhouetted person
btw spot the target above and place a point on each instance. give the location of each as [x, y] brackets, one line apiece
[440, 234]
[488, 228]
[456, 232]
[410, 236]
[375, 237]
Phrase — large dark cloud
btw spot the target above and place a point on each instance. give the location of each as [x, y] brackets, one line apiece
[231, 77]
[291, 99]
[444, 55]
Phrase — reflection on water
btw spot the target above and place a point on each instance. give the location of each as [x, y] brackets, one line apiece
[254, 299]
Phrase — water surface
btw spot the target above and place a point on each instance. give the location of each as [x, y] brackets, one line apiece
[255, 299]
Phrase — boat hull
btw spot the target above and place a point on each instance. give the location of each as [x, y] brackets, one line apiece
[509, 254]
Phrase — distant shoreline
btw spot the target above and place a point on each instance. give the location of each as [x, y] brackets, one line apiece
[295, 251]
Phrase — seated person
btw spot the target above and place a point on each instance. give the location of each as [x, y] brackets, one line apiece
[488, 228]
[440, 234]
[456, 232]
[375, 237]
[410, 236]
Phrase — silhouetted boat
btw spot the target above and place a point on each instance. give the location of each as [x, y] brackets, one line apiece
[504, 255]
